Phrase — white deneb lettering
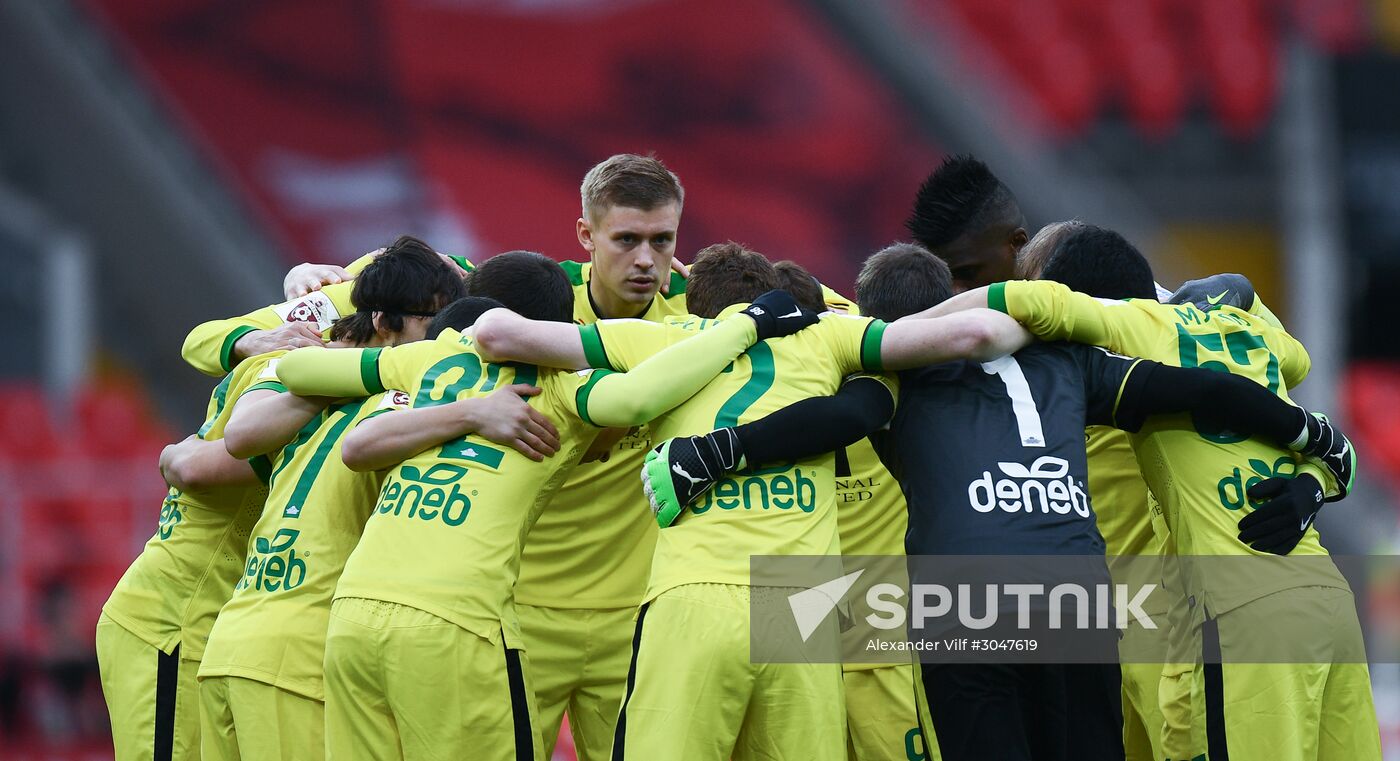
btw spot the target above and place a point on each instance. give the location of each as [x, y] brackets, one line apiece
[1045, 486]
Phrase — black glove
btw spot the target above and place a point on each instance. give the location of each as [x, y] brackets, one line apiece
[1332, 448]
[777, 314]
[1215, 291]
[1279, 524]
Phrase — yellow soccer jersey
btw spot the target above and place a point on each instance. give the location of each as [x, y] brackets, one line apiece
[273, 628]
[592, 548]
[209, 347]
[782, 510]
[1119, 494]
[172, 592]
[446, 532]
[1200, 475]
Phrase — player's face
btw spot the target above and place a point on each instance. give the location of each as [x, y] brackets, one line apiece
[983, 258]
[631, 251]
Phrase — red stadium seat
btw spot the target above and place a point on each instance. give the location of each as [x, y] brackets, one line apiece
[26, 429]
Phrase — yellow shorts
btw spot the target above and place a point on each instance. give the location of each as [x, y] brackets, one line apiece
[152, 697]
[694, 694]
[244, 718]
[578, 664]
[887, 716]
[1142, 712]
[403, 683]
[1181, 697]
[1320, 708]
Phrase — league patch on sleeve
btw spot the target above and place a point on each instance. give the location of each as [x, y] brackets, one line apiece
[313, 307]
[393, 400]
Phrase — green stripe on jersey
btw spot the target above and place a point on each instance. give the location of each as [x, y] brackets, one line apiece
[303, 486]
[593, 350]
[870, 343]
[267, 386]
[220, 399]
[996, 297]
[369, 370]
[226, 351]
[581, 398]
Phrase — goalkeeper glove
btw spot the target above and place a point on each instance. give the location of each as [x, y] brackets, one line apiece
[1331, 447]
[681, 470]
[1279, 524]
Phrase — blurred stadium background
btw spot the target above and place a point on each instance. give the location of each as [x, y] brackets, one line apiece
[162, 162]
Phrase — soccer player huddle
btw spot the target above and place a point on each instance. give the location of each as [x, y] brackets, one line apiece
[412, 525]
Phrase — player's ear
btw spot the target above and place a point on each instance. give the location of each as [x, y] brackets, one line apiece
[585, 234]
[1018, 238]
[381, 329]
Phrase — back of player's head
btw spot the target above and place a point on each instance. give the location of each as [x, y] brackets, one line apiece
[796, 280]
[961, 196]
[461, 314]
[1101, 263]
[1032, 257]
[408, 279]
[901, 279]
[638, 182]
[725, 274]
[527, 283]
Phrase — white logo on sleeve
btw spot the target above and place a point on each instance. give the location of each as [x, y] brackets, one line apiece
[1044, 487]
[315, 307]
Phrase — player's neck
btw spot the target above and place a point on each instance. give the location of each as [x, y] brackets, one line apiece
[608, 307]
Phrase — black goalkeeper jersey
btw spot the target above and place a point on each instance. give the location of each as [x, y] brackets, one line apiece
[991, 456]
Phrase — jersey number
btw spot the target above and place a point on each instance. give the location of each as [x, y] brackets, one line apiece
[472, 370]
[760, 380]
[1240, 345]
[1022, 403]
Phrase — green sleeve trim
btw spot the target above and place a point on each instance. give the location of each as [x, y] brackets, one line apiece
[267, 386]
[226, 351]
[870, 343]
[369, 370]
[262, 468]
[462, 262]
[593, 350]
[581, 398]
[377, 413]
[574, 270]
[677, 285]
[996, 297]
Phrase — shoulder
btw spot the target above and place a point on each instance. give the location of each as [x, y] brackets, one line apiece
[577, 271]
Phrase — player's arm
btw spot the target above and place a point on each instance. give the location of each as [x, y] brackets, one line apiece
[976, 334]
[266, 417]
[196, 464]
[384, 440]
[501, 335]
[217, 346]
[1050, 311]
[337, 373]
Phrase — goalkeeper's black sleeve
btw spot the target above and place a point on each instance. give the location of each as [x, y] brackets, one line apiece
[1228, 401]
[818, 425]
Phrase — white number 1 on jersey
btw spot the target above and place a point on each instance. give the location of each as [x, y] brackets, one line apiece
[1022, 403]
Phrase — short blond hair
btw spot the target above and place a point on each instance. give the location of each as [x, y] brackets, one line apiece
[626, 179]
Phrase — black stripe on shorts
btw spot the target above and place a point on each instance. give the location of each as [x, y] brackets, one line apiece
[519, 705]
[1214, 677]
[167, 687]
[620, 735]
